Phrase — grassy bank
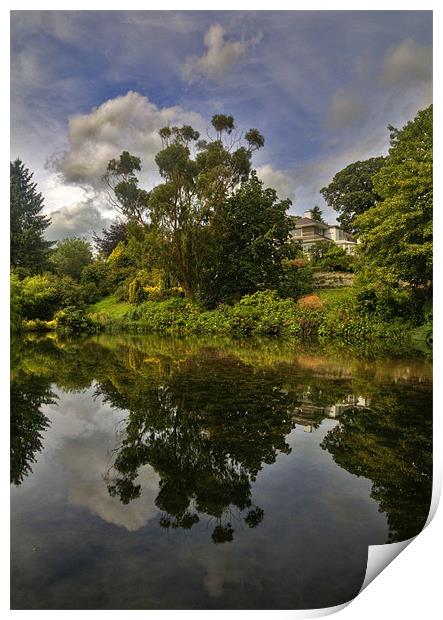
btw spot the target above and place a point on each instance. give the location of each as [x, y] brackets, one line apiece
[328, 316]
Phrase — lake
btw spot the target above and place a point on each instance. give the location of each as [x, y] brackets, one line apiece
[161, 473]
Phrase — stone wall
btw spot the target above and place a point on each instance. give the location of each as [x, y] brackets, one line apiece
[332, 279]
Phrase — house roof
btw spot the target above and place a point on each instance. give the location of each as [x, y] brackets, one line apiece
[306, 221]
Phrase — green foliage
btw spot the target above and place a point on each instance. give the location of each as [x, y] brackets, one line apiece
[136, 293]
[72, 320]
[352, 192]
[95, 277]
[334, 258]
[111, 237]
[318, 250]
[39, 297]
[29, 250]
[15, 293]
[344, 320]
[396, 233]
[296, 279]
[172, 315]
[316, 214]
[125, 195]
[70, 257]
[109, 307]
[121, 270]
[249, 245]
[178, 217]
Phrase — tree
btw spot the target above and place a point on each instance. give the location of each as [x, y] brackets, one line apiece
[71, 256]
[124, 193]
[396, 232]
[110, 238]
[351, 191]
[317, 214]
[249, 244]
[199, 176]
[29, 249]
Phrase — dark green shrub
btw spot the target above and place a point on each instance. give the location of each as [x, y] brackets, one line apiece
[136, 294]
[74, 321]
[40, 297]
[334, 258]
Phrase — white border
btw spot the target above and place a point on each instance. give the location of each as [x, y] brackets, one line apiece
[411, 585]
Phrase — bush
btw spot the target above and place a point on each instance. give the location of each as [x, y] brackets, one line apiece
[15, 292]
[70, 257]
[297, 278]
[73, 321]
[334, 258]
[95, 276]
[40, 297]
[311, 302]
[172, 315]
[136, 294]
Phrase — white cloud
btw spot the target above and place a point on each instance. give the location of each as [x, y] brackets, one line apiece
[220, 57]
[78, 220]
[408, 63]
[279, 180]
[128, 122]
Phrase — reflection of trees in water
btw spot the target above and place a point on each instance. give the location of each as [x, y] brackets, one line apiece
[207, 430]
[207, 420]
[391, 444]
[28, 394]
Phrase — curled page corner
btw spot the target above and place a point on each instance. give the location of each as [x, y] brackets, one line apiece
[379, 556]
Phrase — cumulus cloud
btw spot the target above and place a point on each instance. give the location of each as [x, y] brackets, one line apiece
[281, 181]
[408, 63]
[346, 110]
[220, 57]
[78, 220]
[128, 122]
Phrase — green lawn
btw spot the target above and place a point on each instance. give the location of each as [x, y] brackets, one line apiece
[331, 295]
[109, 306]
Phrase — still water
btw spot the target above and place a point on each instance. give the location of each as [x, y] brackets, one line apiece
[158, 473]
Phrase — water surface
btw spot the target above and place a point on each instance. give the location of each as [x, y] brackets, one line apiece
[157, 473]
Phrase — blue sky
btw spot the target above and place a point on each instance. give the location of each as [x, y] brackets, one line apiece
[320, 85]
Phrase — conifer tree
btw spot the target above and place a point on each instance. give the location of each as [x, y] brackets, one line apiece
[29, 249]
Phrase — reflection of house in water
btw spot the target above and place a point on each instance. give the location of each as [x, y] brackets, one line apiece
[309, 415]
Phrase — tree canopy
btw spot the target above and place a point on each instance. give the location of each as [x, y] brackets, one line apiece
[179, 214]
[351, 191]
[71, 256]
[396, 232]
[250, 244]
[29, 249]
[110, 238]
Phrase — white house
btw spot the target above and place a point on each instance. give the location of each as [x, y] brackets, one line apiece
[310, 232]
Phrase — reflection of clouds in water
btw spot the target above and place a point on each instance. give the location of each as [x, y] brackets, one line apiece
[84, 431]
[86, 464]
[221, 569]
[76, 414]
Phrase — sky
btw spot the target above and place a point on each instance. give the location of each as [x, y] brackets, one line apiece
[321, 86]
